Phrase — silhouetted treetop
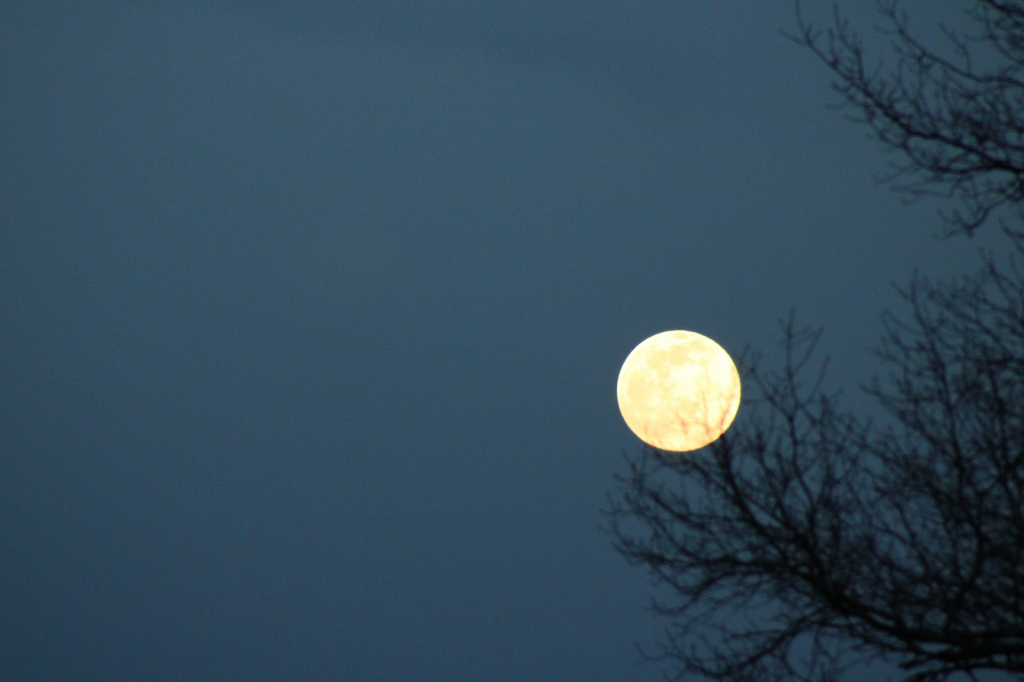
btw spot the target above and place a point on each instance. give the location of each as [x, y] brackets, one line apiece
[955, 115]
[808, 540]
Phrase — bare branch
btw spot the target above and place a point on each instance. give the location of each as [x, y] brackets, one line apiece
[958, 128]
[807, 540]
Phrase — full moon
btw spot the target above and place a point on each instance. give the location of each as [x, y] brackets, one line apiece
[678, 391]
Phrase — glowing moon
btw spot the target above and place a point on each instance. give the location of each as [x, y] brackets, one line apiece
[678, 391]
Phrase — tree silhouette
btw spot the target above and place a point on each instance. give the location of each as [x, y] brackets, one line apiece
[807, 540]
[958, 126]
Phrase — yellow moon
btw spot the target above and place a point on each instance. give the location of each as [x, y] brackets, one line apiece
[678, 391]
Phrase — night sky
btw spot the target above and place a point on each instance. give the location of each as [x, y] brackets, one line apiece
[311, 315]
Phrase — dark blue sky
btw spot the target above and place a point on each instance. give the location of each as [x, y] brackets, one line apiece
[312, 314]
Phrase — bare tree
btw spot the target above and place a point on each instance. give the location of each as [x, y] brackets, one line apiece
[958, 126]
[807, 540]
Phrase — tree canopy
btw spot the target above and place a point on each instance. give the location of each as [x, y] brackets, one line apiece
[953, 113]
[809, 540]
